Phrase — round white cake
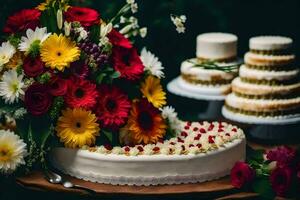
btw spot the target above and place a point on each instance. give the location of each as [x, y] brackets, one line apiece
[216, 46]
[203, 151]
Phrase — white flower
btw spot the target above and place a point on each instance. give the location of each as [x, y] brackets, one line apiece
[179, 21]
[12, 151]
[6, 53]
[143, 32]
[82, 33]
[152, 64]
[168, 113]
[33, 37]
[105, 29]
[67, 28]
[134, 7]
[11, 86]
[130, 1]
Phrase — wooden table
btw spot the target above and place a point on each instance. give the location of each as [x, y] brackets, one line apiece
[219, 189]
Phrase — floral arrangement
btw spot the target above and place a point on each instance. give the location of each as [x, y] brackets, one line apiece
[69, 77]
[271, 173]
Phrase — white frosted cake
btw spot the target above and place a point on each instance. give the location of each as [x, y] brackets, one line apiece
[209, 71]
[268, 84]
[202, 151]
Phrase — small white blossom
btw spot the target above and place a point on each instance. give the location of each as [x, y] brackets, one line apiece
[6, 53]
[143, 32]
[67, 28]
[82, 33]
[105, 29]
[130, 1]
[179, 21]
[168, 113]
[134, 7]
[152, 64]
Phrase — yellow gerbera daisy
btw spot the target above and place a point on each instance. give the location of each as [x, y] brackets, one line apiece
[145, 123]
[50, 3]
[58, 52]
[77, 128]
[153, 91]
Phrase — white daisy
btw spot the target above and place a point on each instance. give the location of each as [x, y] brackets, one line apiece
[6, 53]
[11, 86]
[168, 113]
[12, 151]
[152, 64]
[179, 22]
[36, 37]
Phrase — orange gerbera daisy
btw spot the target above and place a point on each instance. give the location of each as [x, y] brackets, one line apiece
[145, 123]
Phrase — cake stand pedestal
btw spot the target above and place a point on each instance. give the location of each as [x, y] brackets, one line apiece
[213, 103]
[266, 130]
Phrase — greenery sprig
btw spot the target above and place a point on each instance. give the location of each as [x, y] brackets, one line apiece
[213, 65]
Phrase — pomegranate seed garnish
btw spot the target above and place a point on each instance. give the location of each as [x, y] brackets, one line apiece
[234, 130]
[156, 149]
[211, 139]
[172, 143]
[202, 130]
[184, 134]
[189, 123]
[140, 148]
[227, 134]
[108, 147]
[199, 145]
[211, 127]
[180, 140]
[183, 147]
[201, 123]
[186, 127]
[220, 130]
[195, 129]
[191, 145]
[127, 149]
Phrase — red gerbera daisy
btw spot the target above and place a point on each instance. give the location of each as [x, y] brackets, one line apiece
[86, 16]
[113, 107]
[23, 20]
[117, 39]
[128, 63]
[81, 93]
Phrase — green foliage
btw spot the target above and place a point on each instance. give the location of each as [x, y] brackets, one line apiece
[44, 78]
[263, 187]
[57, 106]
[34, 49]
[106, 75]
[48, 19]
[95, 33]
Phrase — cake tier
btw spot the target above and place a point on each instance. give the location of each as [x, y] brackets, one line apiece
[217, 46]
[265, 76]
[270, 43]
[263, 106]
[199, 75]
[273, 61]
[267, 91]
[204, 151]
[205, 89]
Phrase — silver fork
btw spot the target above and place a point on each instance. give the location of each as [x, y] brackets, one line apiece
[55, 178]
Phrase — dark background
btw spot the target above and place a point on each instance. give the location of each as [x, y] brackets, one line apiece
[245, 18]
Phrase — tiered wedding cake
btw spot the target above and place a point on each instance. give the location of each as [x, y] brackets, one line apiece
[268, 85]
[214, 50]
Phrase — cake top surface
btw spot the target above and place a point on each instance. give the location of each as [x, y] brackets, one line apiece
[217, 37]
[195, 138]
[270, 43]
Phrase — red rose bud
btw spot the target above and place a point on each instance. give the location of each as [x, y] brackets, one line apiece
[58, 86]
[241, 174]
[282, 155]
[23, 20]
[86, 16]
[33, 66]
[37, 99]
[281, 180]
[117, 39]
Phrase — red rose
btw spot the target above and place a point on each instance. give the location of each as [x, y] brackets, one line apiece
[282, 155]
[37, 99]
[86, 16]
[23, 20]
[33, 66]
[241, 174]
[117, 39]
[128, 63]
[58, 86]
[281, 180]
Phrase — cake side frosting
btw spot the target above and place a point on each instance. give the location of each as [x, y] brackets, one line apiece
[269, 60]
[216, 46]
[201, 152]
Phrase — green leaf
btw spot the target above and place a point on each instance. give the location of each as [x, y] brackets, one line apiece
[256, 155]
[100, 78]
[263, 187]
[108, 135]
[95, 33]
[48, 19]
[115, 75]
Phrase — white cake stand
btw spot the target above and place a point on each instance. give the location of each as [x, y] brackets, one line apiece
[209, 94]
[269, 129]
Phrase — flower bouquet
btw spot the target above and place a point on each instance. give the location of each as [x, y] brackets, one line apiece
[69, 77]
[271, 173]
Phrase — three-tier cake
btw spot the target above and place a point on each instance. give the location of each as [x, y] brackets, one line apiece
[208, 74]
[268, 85]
